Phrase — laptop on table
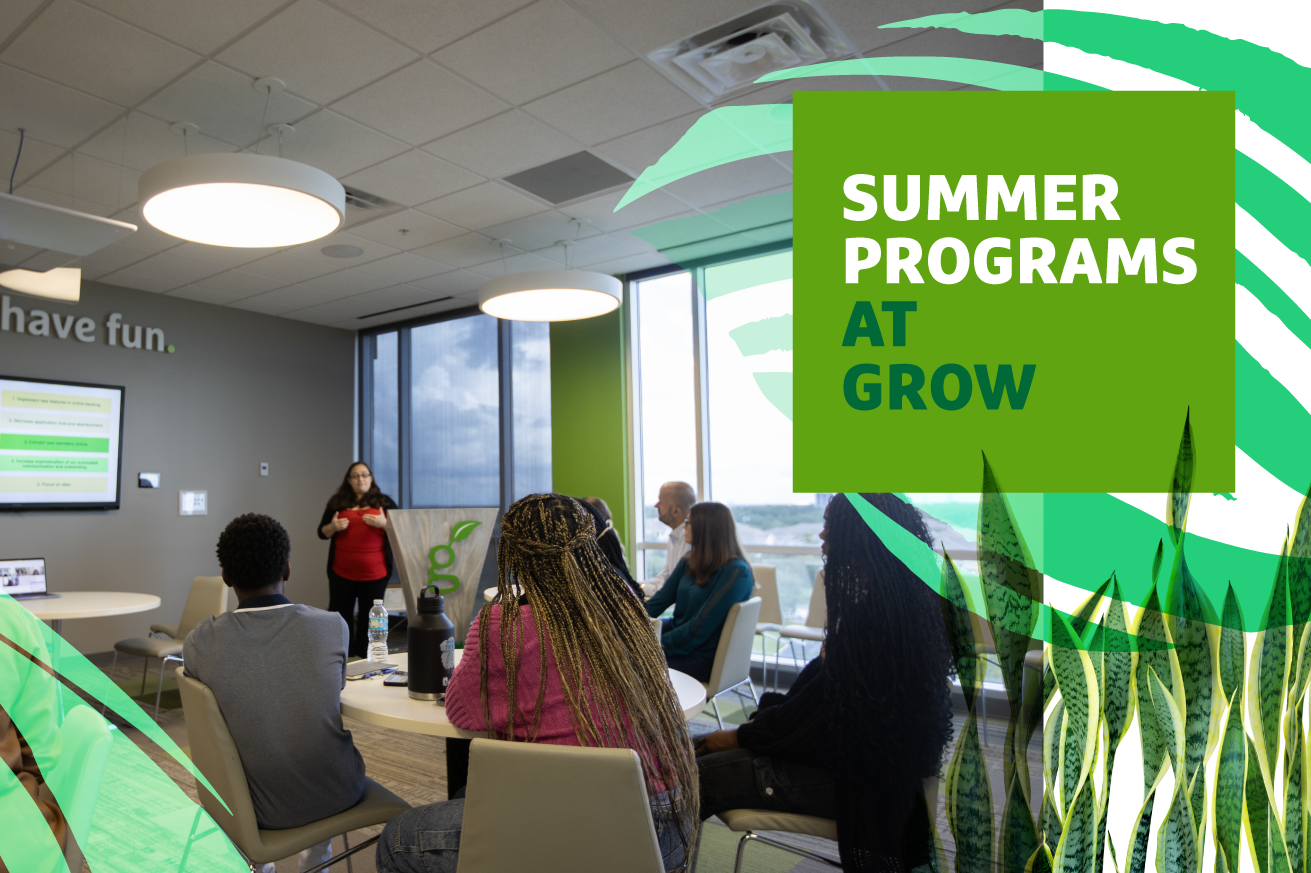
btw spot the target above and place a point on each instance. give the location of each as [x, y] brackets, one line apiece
[24, 578]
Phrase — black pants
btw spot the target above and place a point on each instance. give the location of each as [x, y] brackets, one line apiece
[741, 779]
[342, 594]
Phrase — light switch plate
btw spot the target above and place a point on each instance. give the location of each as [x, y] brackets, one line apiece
[192, 503]
[263, 468]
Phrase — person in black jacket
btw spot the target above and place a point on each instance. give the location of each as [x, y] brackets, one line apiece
[359, 556]
[866, 721]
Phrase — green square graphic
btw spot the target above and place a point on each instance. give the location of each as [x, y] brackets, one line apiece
[1111, 368]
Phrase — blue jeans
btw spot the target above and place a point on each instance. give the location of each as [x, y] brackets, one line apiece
[741, 779]
[426, 839]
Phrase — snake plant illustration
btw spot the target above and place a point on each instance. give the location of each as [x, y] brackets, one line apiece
[459, 531]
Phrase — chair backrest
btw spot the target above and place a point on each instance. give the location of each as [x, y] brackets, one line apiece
[75, 780]
[605, 825]
[766, 588]
[733, 657]
[215, 755]
[208, 596]
[818, 614]
[657, 628]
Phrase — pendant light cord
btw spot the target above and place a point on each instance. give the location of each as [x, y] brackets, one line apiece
[268, 95]
[21, 134]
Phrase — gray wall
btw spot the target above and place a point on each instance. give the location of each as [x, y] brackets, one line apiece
[241, 388]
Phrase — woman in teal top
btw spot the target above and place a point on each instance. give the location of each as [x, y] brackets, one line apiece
[703, 585]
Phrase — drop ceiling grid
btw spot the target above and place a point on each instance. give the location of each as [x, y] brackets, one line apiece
[147, 147]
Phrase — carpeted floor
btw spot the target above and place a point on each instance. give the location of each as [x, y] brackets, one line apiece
[414, 767]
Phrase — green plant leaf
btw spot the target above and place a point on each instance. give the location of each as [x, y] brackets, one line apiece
[1117, 675]
[1051, 757]
[1040, 861]
[1151, 626]
[1074, 854]
[1294, 785]
[1181, 487]
[1299, 596]
[1176, 841]
[1137, 859]
[1190, 624]
[1229, 782]
[969, 804]
[1078, 684]
[959, 621]
[1233, 648]
[1256, 812]
[1083, 616]
[1265, 696]
[1170, 721]
[462, 529]
[1050, 820]
[1156, 561]
[1048, 683]
[1019, 836]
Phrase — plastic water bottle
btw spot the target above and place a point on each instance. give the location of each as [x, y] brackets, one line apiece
[378, 633]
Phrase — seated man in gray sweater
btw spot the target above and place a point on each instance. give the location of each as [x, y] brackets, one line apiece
[277, 669]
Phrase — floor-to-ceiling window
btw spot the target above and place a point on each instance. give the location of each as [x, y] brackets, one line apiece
[456, 410]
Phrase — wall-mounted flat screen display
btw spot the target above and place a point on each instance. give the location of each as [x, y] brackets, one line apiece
[60, 444]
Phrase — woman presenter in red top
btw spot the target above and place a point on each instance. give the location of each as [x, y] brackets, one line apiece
[359, 556]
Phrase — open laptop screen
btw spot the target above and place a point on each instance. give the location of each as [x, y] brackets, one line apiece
[23, 576]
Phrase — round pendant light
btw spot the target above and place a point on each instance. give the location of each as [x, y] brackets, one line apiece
[551, 295]
[241, 200]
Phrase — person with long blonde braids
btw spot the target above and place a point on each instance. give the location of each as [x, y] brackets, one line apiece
[574, 663]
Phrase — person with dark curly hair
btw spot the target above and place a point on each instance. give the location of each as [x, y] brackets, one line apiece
[359, 556]
[867, 721]
[277, 669]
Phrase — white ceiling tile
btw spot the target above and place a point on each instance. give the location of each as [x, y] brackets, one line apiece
[13, 254]
[485, 205]
[463, 251]
[49, 260]
[63, 200]
[90, 179]
[168, 267]
[343, 283]
[226, 287]
[85, 49]
[50, 112]
[112, 257]
[608, 247]
[128, 279]
[456, 283]
[506, 144]
[36, 156]
[147, 238]
[369, 250]
[623, 100]
[335, 144]
[224, 104]
[861, 24]
[404, 267]
[287, 268]
[370, 303]
[200, 25]
[266, 304]
[738, 179]
[516, 264]
[637, 151]
[148, 141]
[13, 13]
[534, 52]
[407, 230]
[599, 211]
[225, 257]
[412, 178]
[631, 264]
[320, 53]
[441, 304]
[427, 25]
[648, 26]
[420, 103]
[539, 231]
[92, 274]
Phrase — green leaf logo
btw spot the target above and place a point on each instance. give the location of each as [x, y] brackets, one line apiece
[462, 530]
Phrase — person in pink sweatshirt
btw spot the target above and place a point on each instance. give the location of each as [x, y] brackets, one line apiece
[575, 653]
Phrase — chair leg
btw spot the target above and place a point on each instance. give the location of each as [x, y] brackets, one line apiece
[696, 849]
[715, 704]
[346, 842]
[145, 668]
[741, 848]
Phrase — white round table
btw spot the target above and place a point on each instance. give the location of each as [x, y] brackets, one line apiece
[370, 701]
[88, 604]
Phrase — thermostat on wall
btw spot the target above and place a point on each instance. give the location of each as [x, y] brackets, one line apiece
[191, 503]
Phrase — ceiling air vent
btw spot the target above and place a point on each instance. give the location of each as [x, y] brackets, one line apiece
[363, 206]
[569, 178]
[730, 57]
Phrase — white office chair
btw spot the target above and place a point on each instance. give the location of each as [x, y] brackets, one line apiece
[605, 825]
[732, 666]
[208, 596]
[812, 631]
[215, 755]
[75, 780]
[748, 821]
[771, 615]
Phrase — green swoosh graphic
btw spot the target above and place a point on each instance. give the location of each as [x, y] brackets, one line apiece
[1270, 424]
[968, 71]
[1272, 297]
[1274, 203]
[1002, 22]
[766, 335]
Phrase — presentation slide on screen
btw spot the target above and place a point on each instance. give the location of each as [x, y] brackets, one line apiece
[58, 443]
